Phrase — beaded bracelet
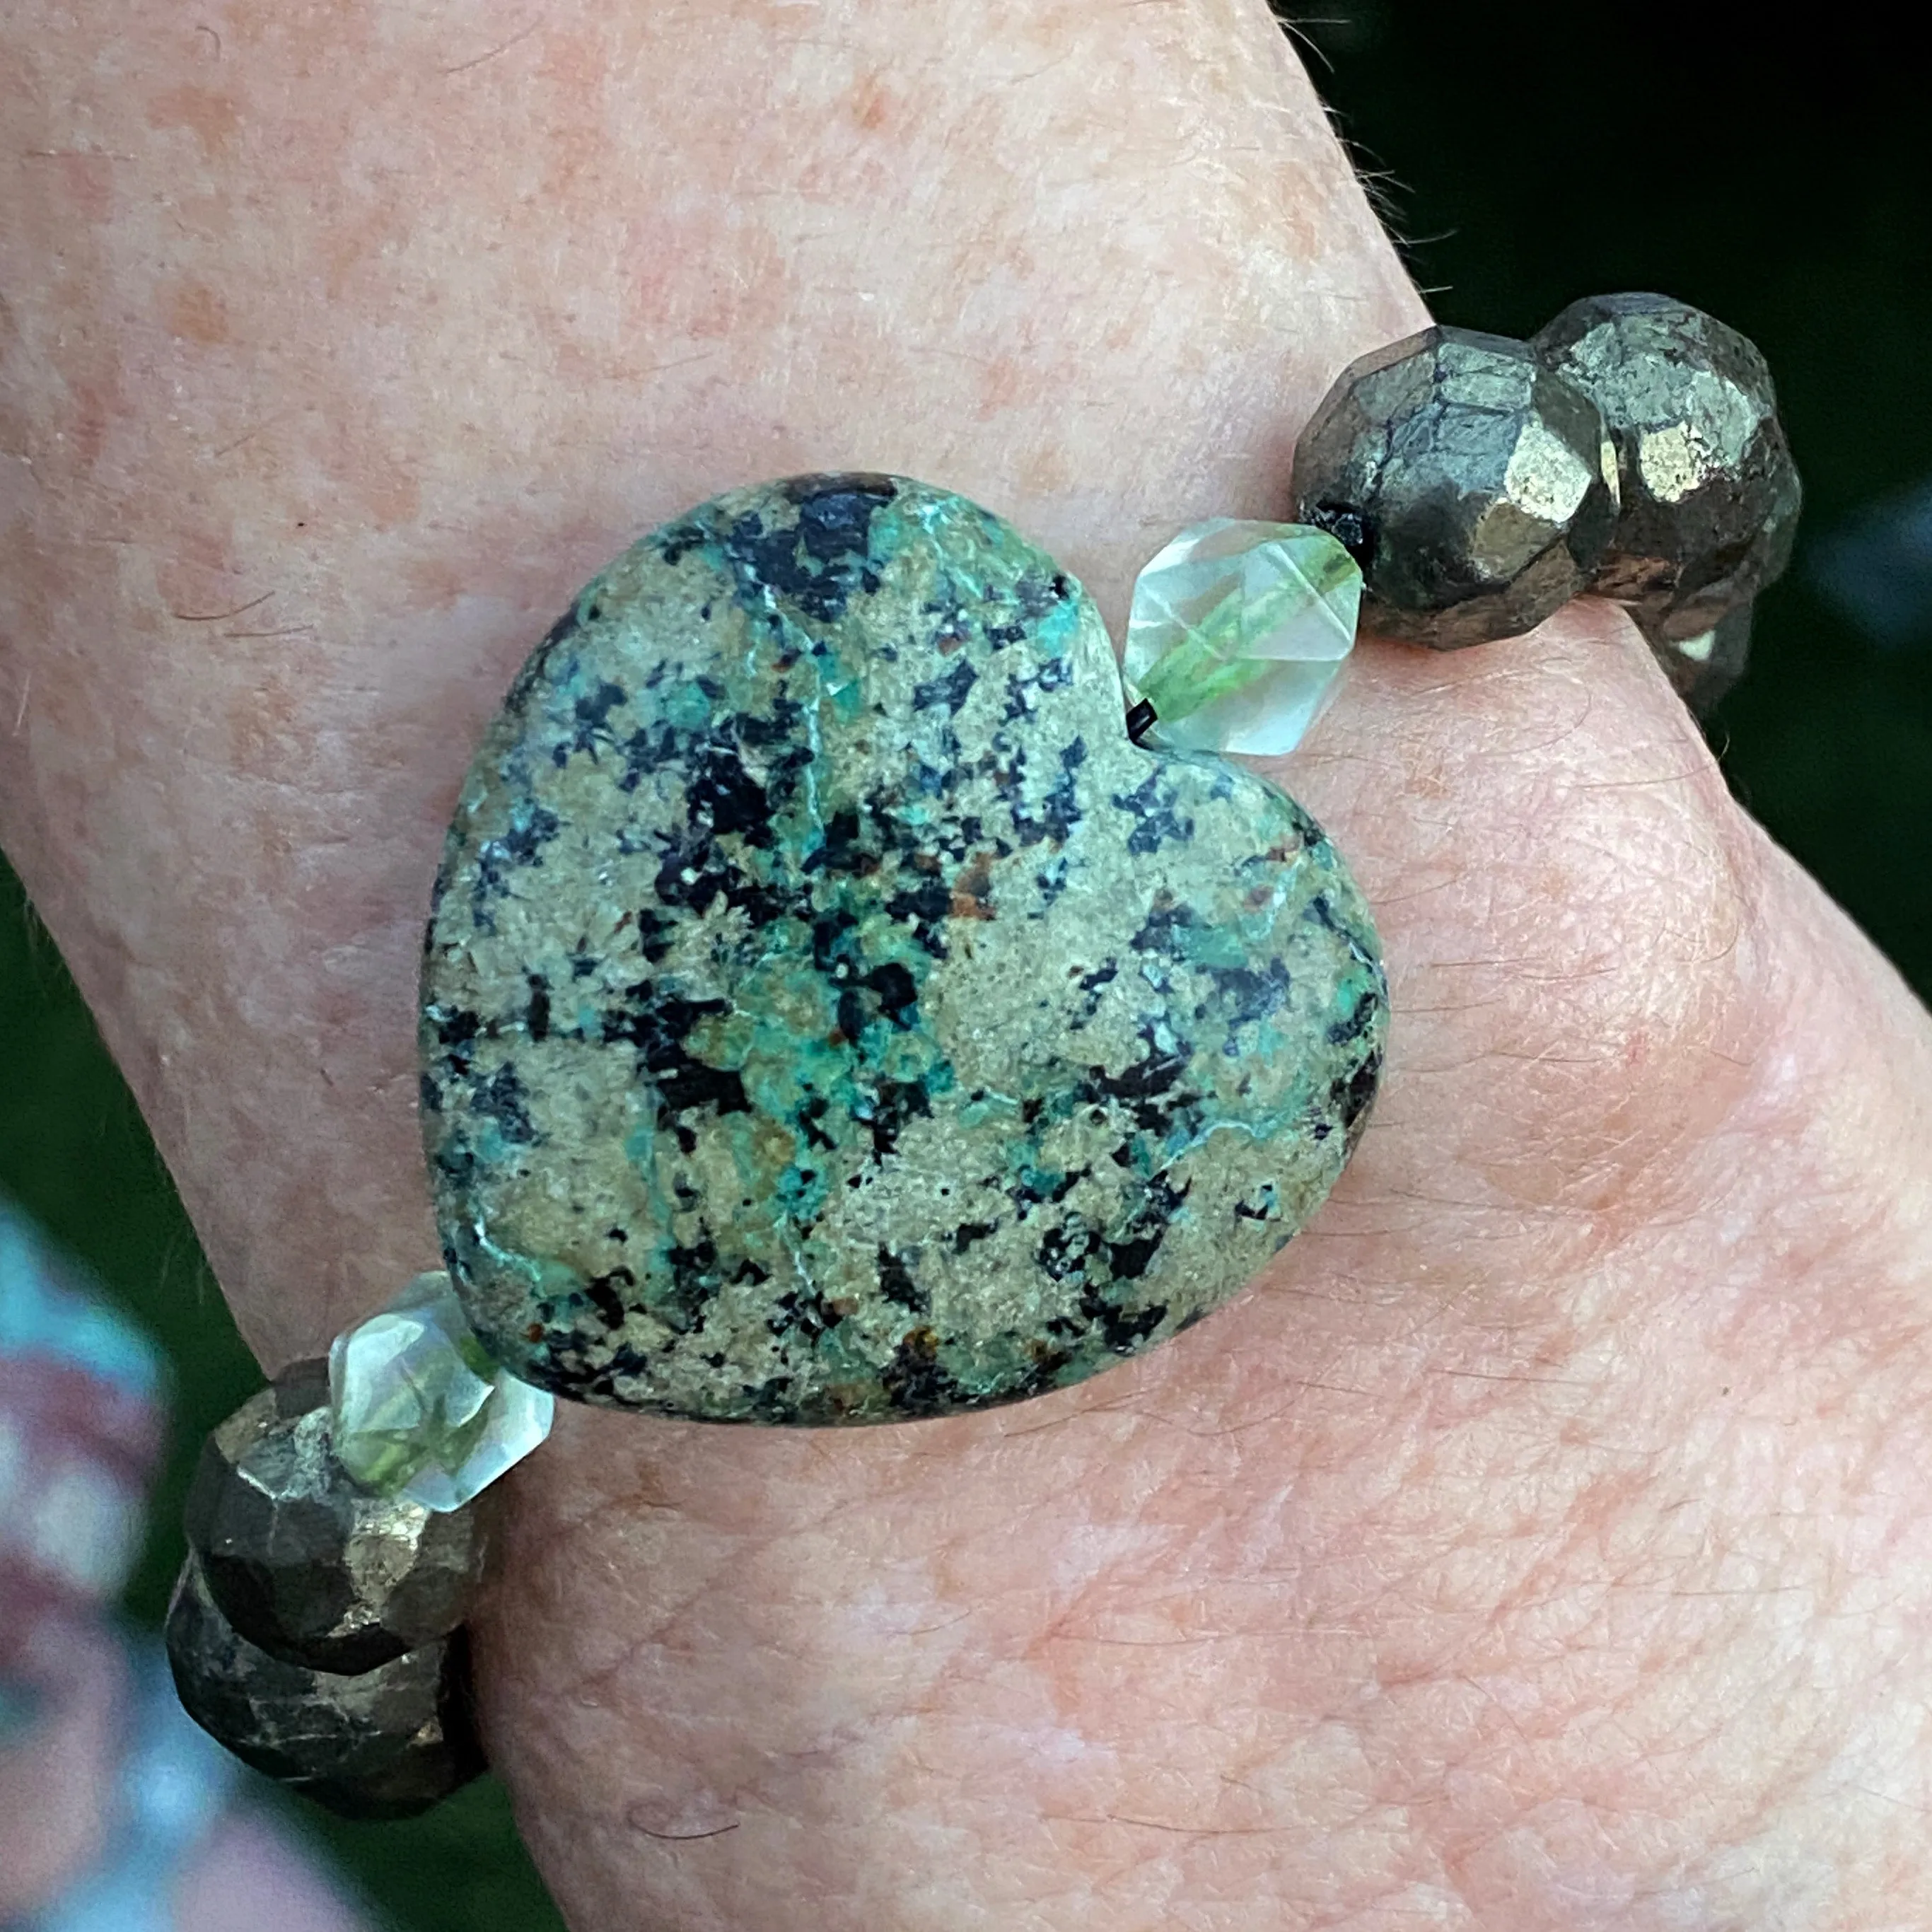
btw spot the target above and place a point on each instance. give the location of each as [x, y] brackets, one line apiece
[842, 1002]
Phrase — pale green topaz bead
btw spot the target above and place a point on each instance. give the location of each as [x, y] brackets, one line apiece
[1237, 634]
[420, 1410]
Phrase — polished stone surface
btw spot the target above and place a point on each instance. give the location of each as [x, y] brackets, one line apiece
[1711, 497]
[831, 1015]
[306, 1563]
[1238, 633]
[1476, 489]
[386, 1743]
[420, 1411]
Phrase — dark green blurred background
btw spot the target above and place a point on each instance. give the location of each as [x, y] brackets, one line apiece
[1528, 154]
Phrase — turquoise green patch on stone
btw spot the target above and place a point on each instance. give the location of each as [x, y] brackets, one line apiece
[830, 1015]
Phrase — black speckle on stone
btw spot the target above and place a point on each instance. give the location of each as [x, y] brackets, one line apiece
[1247, 994]
[821, 560]
[967, 1232]
[1127, 1261]
[536, 1018]
[1265, 1212]
[842, 849]
[602, 1291]
[501, 1098]
[1157, 823]
[1123, 1329]
[896, 1103]
[1159, 931]
[593, 714]
[1352, 1100]
[897, 993]
[1066, 1183]
[532, 827]
[1060, 809]
[655, 933]
[456, 1030]
[1065, 1250]
[915, 1383]
[804, 1311]
[723, 797]
[1036, 595]
[927, 903]
[1051, 880]
[1361, 1017]
[897, 1285]
[1024, 686]
[1105, 974]
[658, 1022]
[676, 541]
[836, 951]
[952, 689]
[1155, 1074]
[811, 1110]
[694, 1281]
[852, 1015]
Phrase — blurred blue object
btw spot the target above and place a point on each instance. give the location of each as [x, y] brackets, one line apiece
[1876, 570]
[174, 1781]
[47, 1307]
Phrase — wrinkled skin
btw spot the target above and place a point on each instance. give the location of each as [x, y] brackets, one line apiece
[1540, 1544]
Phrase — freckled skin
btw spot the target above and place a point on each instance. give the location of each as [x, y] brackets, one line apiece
[830, 1015]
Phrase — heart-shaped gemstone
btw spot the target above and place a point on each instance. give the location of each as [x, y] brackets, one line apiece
[831, 1014]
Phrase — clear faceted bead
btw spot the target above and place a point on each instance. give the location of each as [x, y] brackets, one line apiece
[420, 1410]
[1238, 632]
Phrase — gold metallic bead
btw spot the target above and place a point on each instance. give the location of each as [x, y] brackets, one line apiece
[306, 1563]
[1710, 496]
[1476, 488]
[386, 1743]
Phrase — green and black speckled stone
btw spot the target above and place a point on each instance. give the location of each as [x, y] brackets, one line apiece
[830, 1015]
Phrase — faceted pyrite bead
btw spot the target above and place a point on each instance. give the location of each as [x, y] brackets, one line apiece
[1703, 668]
[1710, 496]
[386, 1743]
[422, 1411]
[1238, 633]
[305, 1562]
[1476, 487]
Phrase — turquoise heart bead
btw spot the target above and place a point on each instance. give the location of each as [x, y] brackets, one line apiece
[829, 1014]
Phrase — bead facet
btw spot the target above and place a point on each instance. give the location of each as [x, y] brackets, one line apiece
[385, 1743]
[1710, 496]
[420, 1411]
[305, 1562]
[1238, 633]
[1476, 488]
